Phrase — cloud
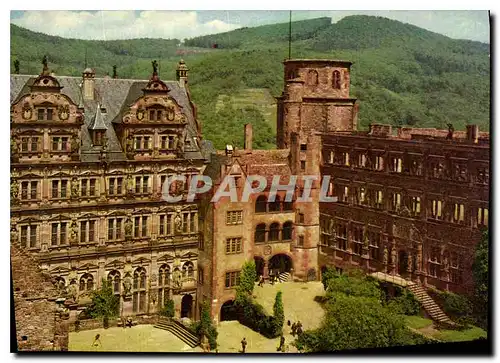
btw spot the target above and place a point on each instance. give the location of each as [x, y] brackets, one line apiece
[107, 25]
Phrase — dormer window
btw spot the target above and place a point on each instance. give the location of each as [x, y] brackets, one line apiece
[97, 137]
[155, 114]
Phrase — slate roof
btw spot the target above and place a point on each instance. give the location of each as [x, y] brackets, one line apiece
[115, 95]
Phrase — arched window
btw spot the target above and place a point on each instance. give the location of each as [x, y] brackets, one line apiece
[114, 279]
[275, 206]
[139, 291]
[287, 231]
[274, 232]
[188, 270]
[260, 204]
[291, 74]
[312, 78]
[336, 80]
[260, 233]
[163, 285]
[86, 282]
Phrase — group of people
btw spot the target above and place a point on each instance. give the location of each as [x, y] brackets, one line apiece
[272, 279]
[296, 328]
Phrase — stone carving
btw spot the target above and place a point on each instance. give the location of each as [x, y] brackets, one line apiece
[73, 234]
[393, 256]
[446, 266]
[27, 112]
[127, 285]
[155, 66]
[75, 188]
[409, 266]
[140, 114]
[75, 144]
[177, 279]
[63, 112]
[13, 234]
[73, 291]
[419, 257]
[153, 294]
[14, 190]
[178, 223]
[128, 228]
[386, 256]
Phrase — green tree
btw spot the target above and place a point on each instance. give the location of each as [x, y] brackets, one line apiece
[328, 274]
[206, 326]
[105, 304]
[279, 312]
[354, 283]
[168, 310]
[248, 275]
[481, 279]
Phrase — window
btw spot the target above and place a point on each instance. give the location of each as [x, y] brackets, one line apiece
[45, 114]
[361, 195]
[139, 291]
[141, 184]
[97, 137]
[357, 239]
[301, 218]
[302, 165]
[234, 217]
[458, 213]
[115, 229]
[88, 187]
[374, 243]
[482, 217]
[189, 222]
[29, 236]
[233, 245]
[155, 114]
[345, 194]
[275, 206]
[201, 242]
[482, 175]
[60, 144]
[436, 210]
[378, 199]
[415, 206]
[115, 186]
[165, 225]
[86, 282]
[312, 78]
[342, 237]
[114, 280]
[332, 157]
[261, 204]
[188, 270]
[300, 242]
[87, 231]
[274, 232]
[287, 231]
[303, 147]
[336, 80]
[260, 233]
[29, 190]
[29, 144]
[142, 143]
[167, 142]
[59, 189]
[232, 279]
[140, 226]
[379, 163]
[396, 165]
[345, 158]
[163, 284]
[434, 262]
[59, 235]
[396, 202]
[362, 160]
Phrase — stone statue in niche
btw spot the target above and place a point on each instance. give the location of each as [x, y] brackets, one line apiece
[127, 285]
[73, 291]
[130, 144]
[75, 144]
[73, 234]
[386, 256]
[128, 228]
[75, 188]
[178, 223]
[13, 234]
[177, 279]
[14, 190]
[393, 256]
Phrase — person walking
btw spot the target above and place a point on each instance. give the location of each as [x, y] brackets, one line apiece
[261, 281]
[243, 345]
[299, 329]
[281, 348]
[97, 339]
[294, 329]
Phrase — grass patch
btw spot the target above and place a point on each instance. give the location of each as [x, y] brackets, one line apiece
[417, 322]
[460, 336]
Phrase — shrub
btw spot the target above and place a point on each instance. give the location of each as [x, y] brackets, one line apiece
[168, 310]
[405, 303]
[105, 304]
[205, 327]
[278, 313]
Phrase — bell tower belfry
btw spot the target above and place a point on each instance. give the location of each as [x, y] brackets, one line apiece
[315, 99]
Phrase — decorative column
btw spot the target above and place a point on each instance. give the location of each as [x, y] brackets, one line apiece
[266, 269]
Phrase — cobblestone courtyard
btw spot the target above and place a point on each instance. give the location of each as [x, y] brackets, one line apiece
[298, 301]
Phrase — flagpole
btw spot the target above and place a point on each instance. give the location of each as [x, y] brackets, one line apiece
[290, 37]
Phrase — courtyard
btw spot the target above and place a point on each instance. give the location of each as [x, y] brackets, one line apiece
[298, 301]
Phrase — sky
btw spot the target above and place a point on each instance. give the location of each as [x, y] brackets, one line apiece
[127, 24]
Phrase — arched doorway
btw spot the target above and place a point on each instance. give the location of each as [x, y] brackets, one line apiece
[259, 266]
[311, 275]
[186, 306]
[280, 263]
[228, 311]
[402, 262]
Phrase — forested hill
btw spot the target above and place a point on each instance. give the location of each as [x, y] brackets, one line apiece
[402, 74]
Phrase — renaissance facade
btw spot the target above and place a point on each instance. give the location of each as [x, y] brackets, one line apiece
[89, 157]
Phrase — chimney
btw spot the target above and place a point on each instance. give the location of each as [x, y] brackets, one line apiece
[115, 75]
[472, 133]
[248, 137]
[181, 73]
[88, 84]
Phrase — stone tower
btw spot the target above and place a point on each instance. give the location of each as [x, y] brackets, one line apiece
[315, 99]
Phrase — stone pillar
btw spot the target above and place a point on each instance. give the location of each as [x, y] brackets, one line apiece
[266, 269]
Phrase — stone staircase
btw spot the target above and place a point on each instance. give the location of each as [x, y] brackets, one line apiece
[430, 305]
[179, 330]
[284, 277]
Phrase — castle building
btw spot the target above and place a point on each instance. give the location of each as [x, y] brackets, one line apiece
[89, 157]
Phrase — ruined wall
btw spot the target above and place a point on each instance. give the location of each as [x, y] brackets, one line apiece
[40, 325]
